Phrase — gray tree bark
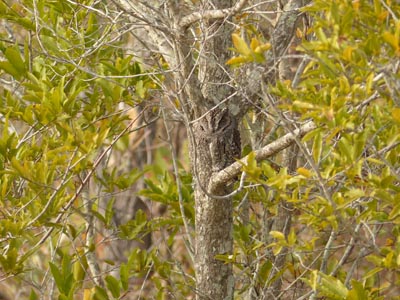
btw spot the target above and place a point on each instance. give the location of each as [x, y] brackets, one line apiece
[195, 39]
[215, 145]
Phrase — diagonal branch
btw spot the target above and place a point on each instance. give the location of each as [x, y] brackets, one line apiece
[231, 172]
[211, 14]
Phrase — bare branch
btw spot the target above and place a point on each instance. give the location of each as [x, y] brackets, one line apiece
[231, 172]
[211, 14]
[347, 252]
[190, 244]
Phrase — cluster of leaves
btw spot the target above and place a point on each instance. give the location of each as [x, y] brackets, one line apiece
[247, 53]
[348, 183]
[66, 86]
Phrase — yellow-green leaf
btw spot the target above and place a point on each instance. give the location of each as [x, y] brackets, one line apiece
[314, 279]
[396, 114]
[277, 249]
[303, 105]
[263, 48]
[139, 88]
[292, 237]
[305, 172]
[237, 60]
[88, 293]
[277, 235]
[391, 40]
[369, 82]
[13, 55]
[347, 53]
[21, 169]
[332, 287]
[254, 44]
[240, 45]
[9, 68]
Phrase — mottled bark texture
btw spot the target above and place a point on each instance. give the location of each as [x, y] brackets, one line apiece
[216, 145]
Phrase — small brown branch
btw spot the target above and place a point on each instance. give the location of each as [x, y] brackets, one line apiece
[231, 172]
[211, 14]
[348, 251]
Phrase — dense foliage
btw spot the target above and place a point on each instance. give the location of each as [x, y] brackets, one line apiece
[69, 81]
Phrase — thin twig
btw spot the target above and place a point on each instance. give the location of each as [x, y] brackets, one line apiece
[78, 191]
[347, 252]
[190, 247]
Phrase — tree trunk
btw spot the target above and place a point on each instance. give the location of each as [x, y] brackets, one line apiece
[215, 145]
[212, 106]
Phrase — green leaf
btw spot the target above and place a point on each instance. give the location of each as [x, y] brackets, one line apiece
[267, 169]
[374, 271]
[113, 285]
[13, 55]
[395, 212]
[9, 68]
[109, 212]
[354, 194]
[244, 232]
[25, 22]
[33, 295]
[357, 292]
[251, 167]
[124, 276]
[79, 268]
[27, 54]
[226, 258]
[58, 278]
[140, 90]
[331, 287]
[9, 262]
[264, 271]
[63, 277]
[22, 170]
[346, 149]
[292, 237]
[100, 294]
[106, 87]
